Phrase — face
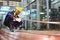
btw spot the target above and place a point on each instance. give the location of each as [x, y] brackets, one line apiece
[17, 12]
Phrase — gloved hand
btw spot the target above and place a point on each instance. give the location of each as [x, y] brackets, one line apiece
[18, 19]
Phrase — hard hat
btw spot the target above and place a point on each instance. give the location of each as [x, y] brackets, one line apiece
[19, 9]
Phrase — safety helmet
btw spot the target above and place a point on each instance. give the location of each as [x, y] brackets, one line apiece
[19, 9]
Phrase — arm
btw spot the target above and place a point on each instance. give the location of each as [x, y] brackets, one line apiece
[10, 15]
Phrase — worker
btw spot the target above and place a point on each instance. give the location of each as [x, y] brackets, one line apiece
[11, 16]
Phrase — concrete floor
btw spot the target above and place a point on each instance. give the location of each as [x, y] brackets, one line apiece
[29, 35]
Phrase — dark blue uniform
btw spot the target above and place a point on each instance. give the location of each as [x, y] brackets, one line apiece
[9, 20]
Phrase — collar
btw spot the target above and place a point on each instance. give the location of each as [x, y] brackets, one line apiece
[15, 14]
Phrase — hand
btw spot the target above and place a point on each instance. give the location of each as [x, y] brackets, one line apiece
[14, 19]
[18, 19]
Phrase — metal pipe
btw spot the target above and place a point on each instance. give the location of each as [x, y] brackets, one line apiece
[38, 13]
[47, 4]
[30, 16]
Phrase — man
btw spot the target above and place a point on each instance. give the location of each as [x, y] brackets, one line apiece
[10, 19]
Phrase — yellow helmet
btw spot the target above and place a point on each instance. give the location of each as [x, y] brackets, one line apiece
[19, 9]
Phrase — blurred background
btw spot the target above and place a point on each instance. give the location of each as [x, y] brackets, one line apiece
[42, 10]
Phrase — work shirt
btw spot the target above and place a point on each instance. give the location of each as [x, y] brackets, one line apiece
[9, 20]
